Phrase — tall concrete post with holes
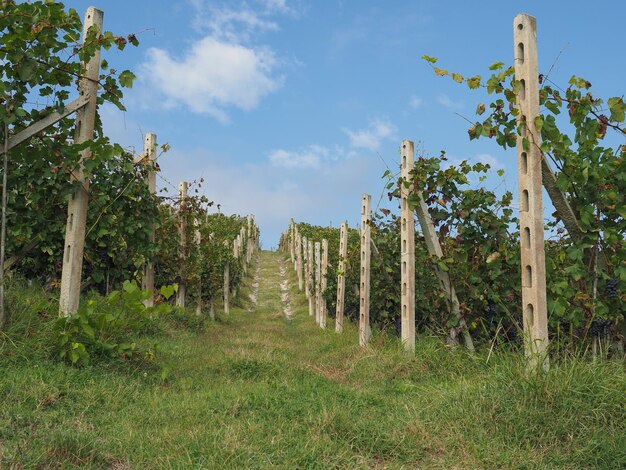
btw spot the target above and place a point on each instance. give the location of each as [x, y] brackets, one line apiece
[149, 159]
[341, 277]
[407, 249]
[310, 275]
[318, 280]
[323, 284]
[77, 208]
[364, 290]
[299, 260]
[534, 304]
[182, 242]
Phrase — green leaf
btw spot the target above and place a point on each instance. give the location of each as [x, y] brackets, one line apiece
[126, 79]
[618, 109]
[496, 66]
[429, 59]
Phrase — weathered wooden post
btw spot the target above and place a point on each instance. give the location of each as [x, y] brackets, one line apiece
[226, 282]
[150, 154]
[198, 237]
[341, 277]
[182, 242]
[407, 249]
[318, 276]
[534, 302]
[310, 278]
[299, 260]
[364, 291]
[323, 284]
[77, 208]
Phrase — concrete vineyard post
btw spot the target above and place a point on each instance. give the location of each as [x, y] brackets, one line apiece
[198, 237]
[150, 154]
[226, 282]
[310, 278]
[305, 255]
[182, 241]
[299, 260]
[292, 248]
[77, 207]
[407, 249]
[323, 284]
[364, 290]
[341, 277]
[534, 304]
[318, 276]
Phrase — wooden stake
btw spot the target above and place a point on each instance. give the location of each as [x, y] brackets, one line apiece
[323, 284]
[150, 154]
[534, 304]
[407, 249]
[365, 332]
[182, 242]
[341, 277]
[77, 207]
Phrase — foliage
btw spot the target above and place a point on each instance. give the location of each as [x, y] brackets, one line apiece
[586, 274]
[112, 328]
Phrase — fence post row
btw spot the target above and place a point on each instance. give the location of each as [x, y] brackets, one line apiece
[534, 304]
[323, 281]
[75, 228]
[407, 249]
[299, 260]
[150, 154]
[341, 277]
[364, 290]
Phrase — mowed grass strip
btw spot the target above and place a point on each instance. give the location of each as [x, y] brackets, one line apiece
[258, 390]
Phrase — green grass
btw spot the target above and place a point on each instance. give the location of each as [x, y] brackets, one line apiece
[256, 390]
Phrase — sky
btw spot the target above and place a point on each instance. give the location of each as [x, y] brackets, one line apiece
[294, 108]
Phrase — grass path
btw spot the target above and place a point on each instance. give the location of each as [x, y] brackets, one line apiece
[261, 390]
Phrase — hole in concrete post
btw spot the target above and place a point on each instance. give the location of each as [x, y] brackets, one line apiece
[522, 89]
[530, 315]
[526, 238]
[528, 276]
[404, 288]
[524, 204]
[404, 246]
[520, 26]
[403, 223]
[71, 221]
[404, 267]
[520, 52]
[524, 163]
[403, 310]
[523, 126]
[403, 161]
[69, 250]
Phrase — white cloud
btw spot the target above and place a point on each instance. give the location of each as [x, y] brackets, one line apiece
[242, 78]
[372, 138]
[488, 160]
[416, 102]
[447, 102]
[309, 157]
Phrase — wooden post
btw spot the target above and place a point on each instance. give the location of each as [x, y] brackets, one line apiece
[299, 260]
[226, 283]
[150, 154]
[318, 280]
[77, 208]
[341, 277]
[182, 242]
[323, 284]
[534, 304]
[198, 237]
[364, 307]
[310, 278]
[407, 249]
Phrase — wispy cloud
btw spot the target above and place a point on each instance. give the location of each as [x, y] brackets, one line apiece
[416, 102]
[447, 102]
[373, 136]
[309, 157]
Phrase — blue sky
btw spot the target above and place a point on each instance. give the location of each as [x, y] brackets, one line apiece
[293, 108]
